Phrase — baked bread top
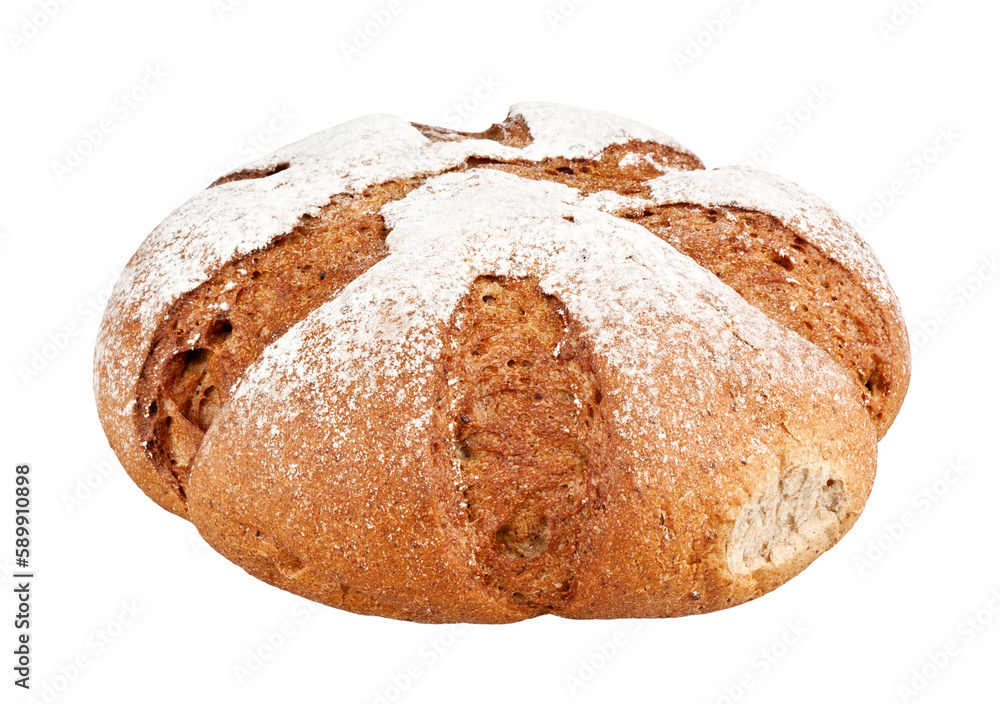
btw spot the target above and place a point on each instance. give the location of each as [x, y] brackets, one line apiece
[554, 367]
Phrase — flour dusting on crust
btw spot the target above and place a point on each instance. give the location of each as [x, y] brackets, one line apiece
[638, 299]
[794, 207]
[328, 466]
[575, 133]
[243, 216]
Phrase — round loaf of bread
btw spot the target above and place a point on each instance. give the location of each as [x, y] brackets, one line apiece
[553, 367]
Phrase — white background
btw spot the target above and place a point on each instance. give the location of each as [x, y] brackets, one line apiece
[217, 80]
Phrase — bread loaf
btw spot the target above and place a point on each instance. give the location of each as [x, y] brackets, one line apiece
[553, 367]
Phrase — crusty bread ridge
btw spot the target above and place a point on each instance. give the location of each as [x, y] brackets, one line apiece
[555, 367]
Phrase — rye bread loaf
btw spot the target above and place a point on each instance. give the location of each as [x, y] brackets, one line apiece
[554, 367]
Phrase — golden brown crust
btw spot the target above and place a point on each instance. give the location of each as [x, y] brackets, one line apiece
[511, 536]
[531, 484]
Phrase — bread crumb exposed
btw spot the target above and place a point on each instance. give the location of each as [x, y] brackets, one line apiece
[797, 514]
